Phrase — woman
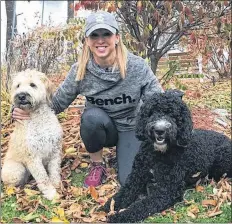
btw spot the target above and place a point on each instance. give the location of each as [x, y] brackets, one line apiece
[113, 81]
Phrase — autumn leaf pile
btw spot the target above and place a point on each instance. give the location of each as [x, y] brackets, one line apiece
[77, 204]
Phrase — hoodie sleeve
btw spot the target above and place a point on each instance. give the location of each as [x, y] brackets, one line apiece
[66, 92]
[151, 84]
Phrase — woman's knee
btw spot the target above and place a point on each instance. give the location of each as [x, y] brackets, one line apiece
[93, 117]
[97, 130]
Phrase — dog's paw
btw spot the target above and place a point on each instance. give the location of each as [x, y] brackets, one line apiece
[116, 218]
[50, 193]
[106, 206]
[56, 184]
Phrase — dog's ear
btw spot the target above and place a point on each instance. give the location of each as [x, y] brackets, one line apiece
[140, 123]
[49, 89]
[143, 115]
[185, 126]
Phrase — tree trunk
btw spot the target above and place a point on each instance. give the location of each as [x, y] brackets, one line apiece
[10, 10]
[70, 10]
[154, 62]
[9, 15]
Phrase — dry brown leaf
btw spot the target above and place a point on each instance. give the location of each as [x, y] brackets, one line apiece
[209, 202]
[77, 191]
[175, 218]
[112, 203]
[17, 220]
[99, 216]
[75, 163]
[88, 220]
[74, 208]
[106, 187]
[190, 214]
[194, 209]
[212, 214]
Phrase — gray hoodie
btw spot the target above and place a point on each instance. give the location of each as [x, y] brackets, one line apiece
[119, 98]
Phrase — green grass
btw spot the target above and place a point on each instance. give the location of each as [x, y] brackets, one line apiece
[180, 210]
[77, 179]
[9, 210]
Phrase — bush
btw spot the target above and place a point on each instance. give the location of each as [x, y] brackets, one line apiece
[47, 49]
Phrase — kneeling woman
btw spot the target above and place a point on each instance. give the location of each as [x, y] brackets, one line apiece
[114, 82]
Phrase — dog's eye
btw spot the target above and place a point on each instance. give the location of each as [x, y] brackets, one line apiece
[17, 86]
[32, 85]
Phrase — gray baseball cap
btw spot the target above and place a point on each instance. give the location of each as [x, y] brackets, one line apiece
[101, 20]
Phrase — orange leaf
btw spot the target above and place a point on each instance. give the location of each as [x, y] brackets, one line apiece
[199, 188]
[93, 192]
[209, 202]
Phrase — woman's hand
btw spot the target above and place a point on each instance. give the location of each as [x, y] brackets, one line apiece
[19, 114]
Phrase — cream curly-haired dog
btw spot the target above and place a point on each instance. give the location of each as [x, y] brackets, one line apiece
[35, 145]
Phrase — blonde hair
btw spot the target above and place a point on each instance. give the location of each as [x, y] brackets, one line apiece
[120, 62]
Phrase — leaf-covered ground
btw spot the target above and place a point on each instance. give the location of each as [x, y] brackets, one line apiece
[207, 202]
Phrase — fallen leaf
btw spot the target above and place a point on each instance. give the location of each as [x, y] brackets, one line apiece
[10, 190]
[93, 192]
[112, 203]
[30, 217]
[70, 150]
[175, 218]
[56, 219]
[88, 220]
[199, 188]
[60, 220]
[194, 209]
[59, 211]
[209, 202]
[99, 216]
[74, 208]
[84, 165]
[75, 164]
[15, 220]
[30, 192]
[76, 191]
[190, 214]
[214, 214]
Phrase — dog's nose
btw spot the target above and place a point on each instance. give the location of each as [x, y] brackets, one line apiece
[160, 132]
[161, 126]
[21, 96]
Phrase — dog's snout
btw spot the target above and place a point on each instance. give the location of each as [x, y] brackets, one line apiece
[160, 132]
[21, 96]
[161, 126]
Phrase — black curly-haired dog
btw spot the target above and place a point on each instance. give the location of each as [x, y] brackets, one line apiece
[171, 155]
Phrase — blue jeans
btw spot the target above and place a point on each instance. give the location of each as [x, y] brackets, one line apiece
[98, 130]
